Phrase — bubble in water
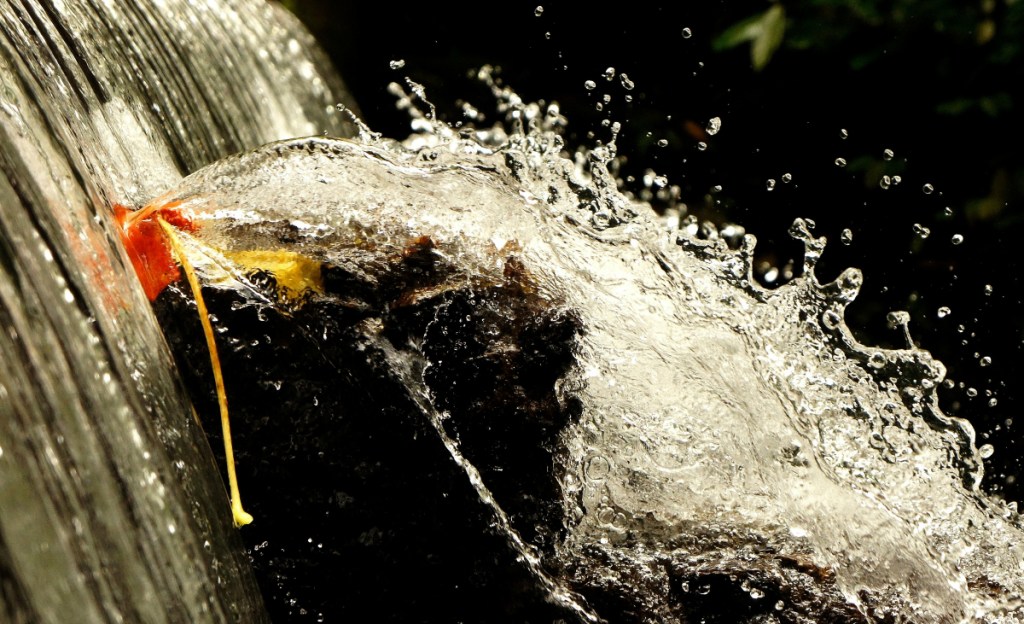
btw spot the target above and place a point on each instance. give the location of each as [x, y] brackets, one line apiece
[877, 360]
[843, 133]
[840, 162]
[943, 312]
[896, 180]
[927, 189]
[598, 468]
[985, 361]
[972, 392]
[780, 605]
[397, 64]
[986, 451]
[716, 188]
[957, 239]
[888, 154]
[922, 231]
[590, 85]
[714, 125]
[846, 236]
[702, 146]
[988, 289]
[770, 184]
[662, 143]
[885, 182]
[830, 319]
[538, 11]
[609, 73]
[756, 593]
[627, 84]
[993, 402]
[687, 33]
[787, 178]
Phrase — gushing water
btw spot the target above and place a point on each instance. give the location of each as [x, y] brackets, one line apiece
[722, 446]
[725, 430]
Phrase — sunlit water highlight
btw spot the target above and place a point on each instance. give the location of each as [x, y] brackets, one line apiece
[723, 426]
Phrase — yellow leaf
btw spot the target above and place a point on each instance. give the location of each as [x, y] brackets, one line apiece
[294, 273]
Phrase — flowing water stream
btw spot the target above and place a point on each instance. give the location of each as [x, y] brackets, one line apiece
[649, 433]
[104, 476]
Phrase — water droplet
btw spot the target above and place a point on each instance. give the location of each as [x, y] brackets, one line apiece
[702, 146]
[985, 361]
[687, 33]
[609, 73]
[538, 11]
[888, 154]
[787, 178]
[171, 529]
[840, 162]
[714, 125]
[590, 85]
[927, 189]
[598, 468]
[957, 239]
[846, 236]
[943, 312]
[986, 451]
[663, 143]
[830, 319]
[770, 184]
[922, 231]
[627, 84]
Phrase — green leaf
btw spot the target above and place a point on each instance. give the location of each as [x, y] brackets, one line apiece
[764, 31]
[740, 32]
[773, 27]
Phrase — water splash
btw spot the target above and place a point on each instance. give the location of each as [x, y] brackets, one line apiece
[727, 435]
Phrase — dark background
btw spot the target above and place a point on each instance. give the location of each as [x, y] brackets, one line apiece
[936, 82]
